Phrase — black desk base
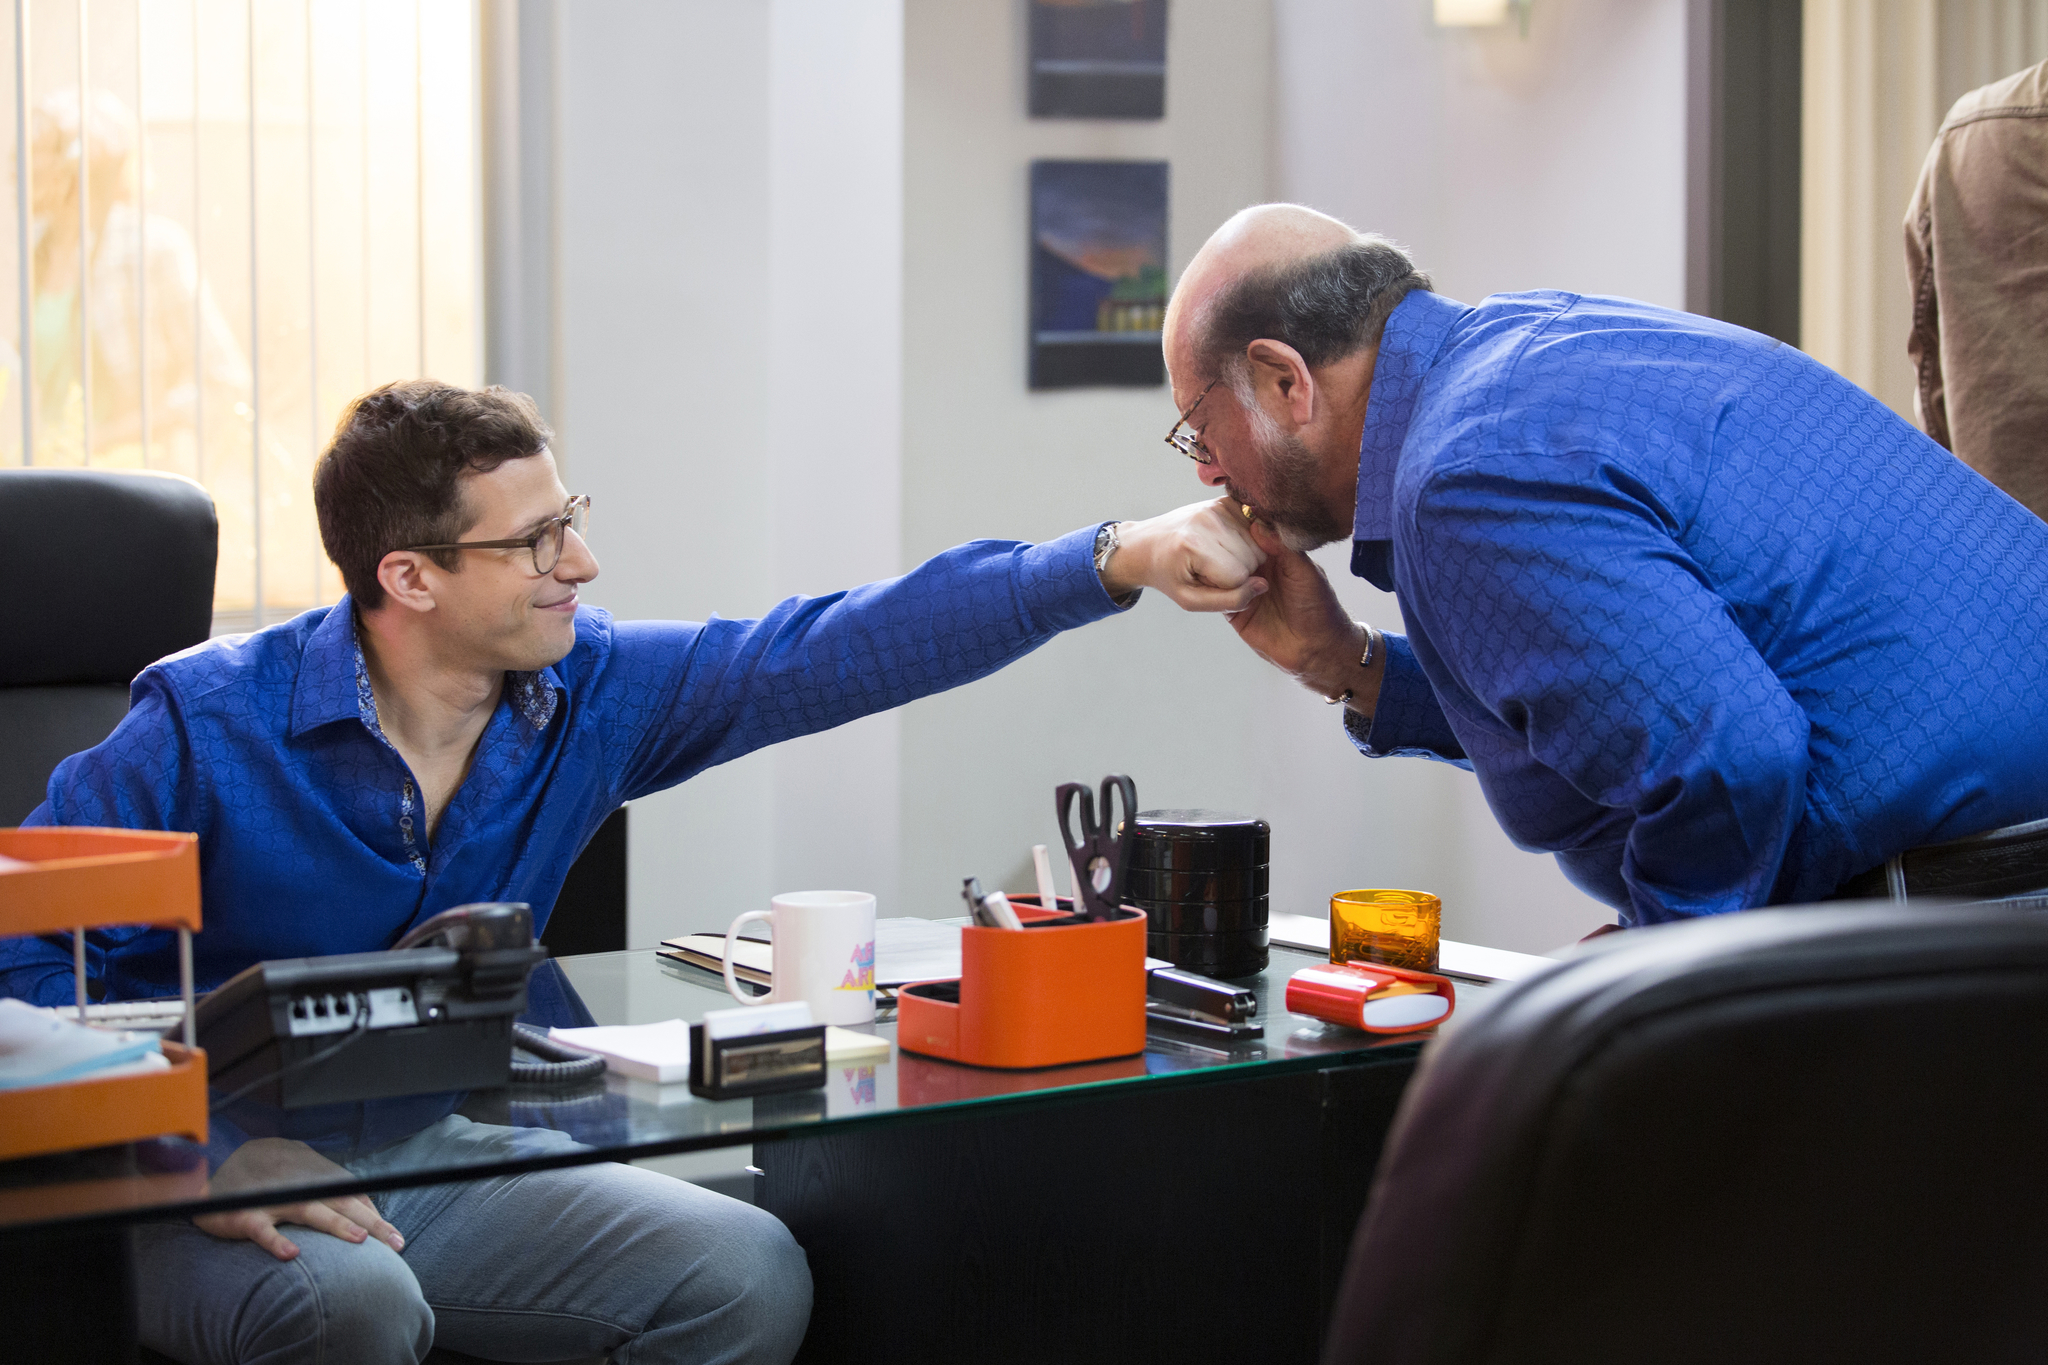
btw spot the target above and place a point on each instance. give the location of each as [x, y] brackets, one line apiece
[69, 1296]
[1203, 1221]
[1176, 1224]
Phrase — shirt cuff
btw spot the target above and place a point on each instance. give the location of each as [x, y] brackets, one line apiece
[1406, 720]
[1057, 584]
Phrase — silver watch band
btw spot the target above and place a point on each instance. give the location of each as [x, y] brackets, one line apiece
[1107, 541]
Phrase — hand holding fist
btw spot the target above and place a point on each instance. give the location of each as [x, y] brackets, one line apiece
[1203, 556]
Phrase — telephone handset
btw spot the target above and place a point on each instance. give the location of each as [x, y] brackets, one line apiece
[475, 927]
[491, 925]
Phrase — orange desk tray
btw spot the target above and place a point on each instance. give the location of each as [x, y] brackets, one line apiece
[1042, 996]
[71, 1115]
[60, 880]
[97, 877]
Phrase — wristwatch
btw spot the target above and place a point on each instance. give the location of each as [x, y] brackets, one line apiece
[1107, 541]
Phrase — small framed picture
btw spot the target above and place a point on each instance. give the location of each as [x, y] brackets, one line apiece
[1098, 273]
[1098, 58]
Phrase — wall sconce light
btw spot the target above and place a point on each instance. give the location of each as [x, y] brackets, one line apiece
[1481, 13]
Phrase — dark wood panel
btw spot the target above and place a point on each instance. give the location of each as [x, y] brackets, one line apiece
[1359, 1103]
[1206, 1223]
[69, 1296]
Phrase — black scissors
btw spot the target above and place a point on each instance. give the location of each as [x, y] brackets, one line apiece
[1098, 854]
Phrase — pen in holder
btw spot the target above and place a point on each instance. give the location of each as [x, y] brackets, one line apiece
[1058, 990]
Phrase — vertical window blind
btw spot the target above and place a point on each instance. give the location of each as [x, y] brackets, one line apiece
[230, 217]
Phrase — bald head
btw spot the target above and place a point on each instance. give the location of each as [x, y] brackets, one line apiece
[1290, 274]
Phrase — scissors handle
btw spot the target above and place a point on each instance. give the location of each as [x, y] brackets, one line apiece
[1065, 798]
[1097, 853]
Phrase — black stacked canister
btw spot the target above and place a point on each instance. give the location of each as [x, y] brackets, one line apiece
[1200, 878]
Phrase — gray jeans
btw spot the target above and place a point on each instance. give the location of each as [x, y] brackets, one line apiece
[555, 1265]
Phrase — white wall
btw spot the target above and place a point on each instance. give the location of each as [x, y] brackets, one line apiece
[729, 198]
[1555, 161]
[792, 268]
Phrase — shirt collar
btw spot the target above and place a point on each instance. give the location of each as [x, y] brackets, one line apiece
[1414, 334]
[334, 684]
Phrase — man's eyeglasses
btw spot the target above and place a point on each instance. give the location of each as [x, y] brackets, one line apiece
[545, 544]
[1186, 442]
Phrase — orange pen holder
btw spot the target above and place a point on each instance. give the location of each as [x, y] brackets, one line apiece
[67, 879]
[1051, 993]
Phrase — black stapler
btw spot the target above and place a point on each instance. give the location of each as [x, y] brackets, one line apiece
[1200, 1004]
[435, 1012]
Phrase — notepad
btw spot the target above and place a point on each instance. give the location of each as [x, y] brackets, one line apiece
[751, 958]
[906, 949]
[648, 1052]
[844, 1045]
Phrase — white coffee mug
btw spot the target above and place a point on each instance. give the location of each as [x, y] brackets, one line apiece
[823, 954]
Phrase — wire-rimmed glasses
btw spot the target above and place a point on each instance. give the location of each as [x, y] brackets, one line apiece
[544, 544]
[1186, 442]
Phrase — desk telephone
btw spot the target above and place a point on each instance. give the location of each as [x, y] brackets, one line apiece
[434, 1012]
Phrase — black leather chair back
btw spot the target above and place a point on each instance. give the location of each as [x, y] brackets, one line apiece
[113, 570]
[1788, 1135]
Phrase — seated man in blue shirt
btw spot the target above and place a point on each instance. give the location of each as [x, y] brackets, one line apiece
[1707, 621]
[454, 730]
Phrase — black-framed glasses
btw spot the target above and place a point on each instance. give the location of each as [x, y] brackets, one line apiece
[545, 544]
[1186, 442]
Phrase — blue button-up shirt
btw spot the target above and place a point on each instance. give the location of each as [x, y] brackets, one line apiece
[311, 837]
[1708, 621]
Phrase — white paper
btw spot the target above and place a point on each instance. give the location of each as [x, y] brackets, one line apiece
[39, 1047]
[743, 1020]
[1468, 960]
[652, 1052]
[909, 949]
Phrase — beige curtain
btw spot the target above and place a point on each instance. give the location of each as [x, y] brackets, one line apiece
[1878, 76]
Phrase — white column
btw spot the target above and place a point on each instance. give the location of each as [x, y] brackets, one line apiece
[834, 305]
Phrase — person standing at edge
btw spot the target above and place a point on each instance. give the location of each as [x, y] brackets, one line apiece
[454, 730]
[1708, 622]
[1977, 263]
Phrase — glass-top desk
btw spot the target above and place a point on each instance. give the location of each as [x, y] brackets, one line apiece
[1203, 1169]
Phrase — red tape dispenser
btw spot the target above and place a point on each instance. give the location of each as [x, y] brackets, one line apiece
[1370, 996]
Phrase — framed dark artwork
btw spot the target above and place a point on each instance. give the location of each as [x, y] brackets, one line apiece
[1098, 58]
[1098, 273]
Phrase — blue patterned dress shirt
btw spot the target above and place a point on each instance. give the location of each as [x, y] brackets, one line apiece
[310, 840]
[1709, 622]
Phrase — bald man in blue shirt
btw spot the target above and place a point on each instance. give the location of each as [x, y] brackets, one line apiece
[1707, 621]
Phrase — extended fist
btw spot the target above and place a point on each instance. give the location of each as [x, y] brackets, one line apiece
[1202, 556]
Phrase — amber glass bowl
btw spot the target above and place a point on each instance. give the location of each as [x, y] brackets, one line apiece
[1397, 928]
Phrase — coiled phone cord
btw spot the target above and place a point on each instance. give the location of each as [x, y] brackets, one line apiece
[561, 1063]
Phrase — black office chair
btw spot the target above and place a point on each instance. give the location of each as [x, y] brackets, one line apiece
[1790, 1135]
[112, 570]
